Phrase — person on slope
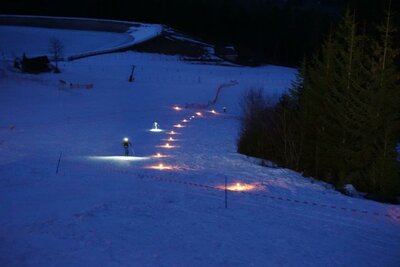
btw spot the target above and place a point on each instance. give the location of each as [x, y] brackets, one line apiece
[127, 146]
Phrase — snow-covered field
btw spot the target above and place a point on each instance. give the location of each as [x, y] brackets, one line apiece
[35, 41]
[101, 209]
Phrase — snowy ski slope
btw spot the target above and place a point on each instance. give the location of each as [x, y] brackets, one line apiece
[68, 198]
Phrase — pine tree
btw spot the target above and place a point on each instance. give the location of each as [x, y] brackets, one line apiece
[333, 103]
[313, 108]
[289, 129]
[351, 110]
[384, 174]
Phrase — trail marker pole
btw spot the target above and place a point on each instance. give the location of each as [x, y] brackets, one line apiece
[131, 76]
[226, 192]
[58, 164]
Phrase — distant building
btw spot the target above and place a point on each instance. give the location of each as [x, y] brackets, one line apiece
[227, 52]
[35, 64]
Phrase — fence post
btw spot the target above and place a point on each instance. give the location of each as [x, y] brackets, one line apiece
[226, 192]
[58, 164]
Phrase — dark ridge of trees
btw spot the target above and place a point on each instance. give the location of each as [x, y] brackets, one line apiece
[263, 31]
[340, 122]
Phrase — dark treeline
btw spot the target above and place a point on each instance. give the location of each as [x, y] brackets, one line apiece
[340, 122]
[263, 31]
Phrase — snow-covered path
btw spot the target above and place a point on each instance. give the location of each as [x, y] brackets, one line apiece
[98, 211]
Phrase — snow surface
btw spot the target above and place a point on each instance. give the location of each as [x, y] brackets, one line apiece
[103, 210]
[36, 41]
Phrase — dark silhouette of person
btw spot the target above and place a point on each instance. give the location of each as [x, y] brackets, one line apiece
[127, 145]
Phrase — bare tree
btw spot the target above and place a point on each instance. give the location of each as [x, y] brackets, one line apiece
[57, 50]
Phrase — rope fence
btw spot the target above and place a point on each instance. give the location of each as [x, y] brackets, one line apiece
[393, 217]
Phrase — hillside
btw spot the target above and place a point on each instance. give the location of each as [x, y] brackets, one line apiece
[70, 197]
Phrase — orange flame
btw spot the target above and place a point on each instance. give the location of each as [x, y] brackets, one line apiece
[159, 155]
[172, 133]
[161, 167]
[238, 187]
[167, 145]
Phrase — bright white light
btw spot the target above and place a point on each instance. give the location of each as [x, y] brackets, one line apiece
[199, 114]
[177, 108]
[185, 120]
[118, 158]
[156, 130]
[179, 126]
[126, 139]
[213, 112]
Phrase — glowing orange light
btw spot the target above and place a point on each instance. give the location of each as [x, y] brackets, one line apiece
[172, 133]
[161, 167]
[238, 187]
[177, 108]
[167, 145]
[179, 125]
[199, 114]
[159, 155]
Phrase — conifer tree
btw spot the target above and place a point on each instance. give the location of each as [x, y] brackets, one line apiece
[384, 116]
[313, 106]
[289, 128]
[332, 103]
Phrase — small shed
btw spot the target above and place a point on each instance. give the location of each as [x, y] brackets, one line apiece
[226, 52]
[35, 64]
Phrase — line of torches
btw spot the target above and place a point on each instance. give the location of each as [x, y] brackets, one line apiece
[167, 145]
[161, 166]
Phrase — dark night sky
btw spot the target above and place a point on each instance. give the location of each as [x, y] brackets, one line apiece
[275, 31]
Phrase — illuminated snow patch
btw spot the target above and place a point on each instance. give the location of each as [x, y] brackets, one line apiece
[159, 155]
[179, 126]
[238, 187]
[118, 158]
[161, 167]
[155, 130]
[172, 133]
[167, 145]
[171, 139]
